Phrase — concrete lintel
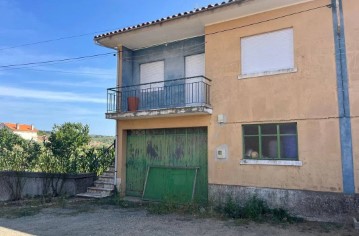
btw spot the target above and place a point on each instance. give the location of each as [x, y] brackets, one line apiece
[156, 113]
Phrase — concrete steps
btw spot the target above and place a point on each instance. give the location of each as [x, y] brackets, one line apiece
[92, 195]
[105, 179]
[104, 185]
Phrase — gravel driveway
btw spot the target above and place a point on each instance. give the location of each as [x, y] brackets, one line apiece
[91, 219]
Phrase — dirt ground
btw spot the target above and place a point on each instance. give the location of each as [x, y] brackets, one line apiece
[88, 218]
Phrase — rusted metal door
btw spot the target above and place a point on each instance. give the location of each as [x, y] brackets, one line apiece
[185, 147]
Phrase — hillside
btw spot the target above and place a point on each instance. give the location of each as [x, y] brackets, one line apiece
[96, 140]
[102, 140]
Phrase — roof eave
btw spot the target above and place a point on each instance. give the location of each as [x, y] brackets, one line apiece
[184, 26]
[168, 18]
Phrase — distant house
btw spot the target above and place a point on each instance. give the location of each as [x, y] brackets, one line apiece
[25, 131]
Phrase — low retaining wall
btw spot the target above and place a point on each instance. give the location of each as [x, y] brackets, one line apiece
[312, 205]
[29, 184]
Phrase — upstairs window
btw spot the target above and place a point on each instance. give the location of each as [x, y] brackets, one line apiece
[152, 76]
[268, 53]
[270, 141]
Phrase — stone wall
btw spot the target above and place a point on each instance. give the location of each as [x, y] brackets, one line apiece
[29, 184]
[325, 206]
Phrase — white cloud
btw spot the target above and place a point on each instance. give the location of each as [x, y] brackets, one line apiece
[44, 114]
[102, 73]
[16, 107]
[48, 95]
[19, 56]
[97, 72]
[85, 77]
[87, 84]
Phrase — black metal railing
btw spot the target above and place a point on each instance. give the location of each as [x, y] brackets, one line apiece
[184, 92]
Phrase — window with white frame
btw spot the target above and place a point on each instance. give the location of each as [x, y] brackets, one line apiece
[150, 73]
[267, 53]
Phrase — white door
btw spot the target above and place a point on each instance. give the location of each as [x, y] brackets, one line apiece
[195, 87]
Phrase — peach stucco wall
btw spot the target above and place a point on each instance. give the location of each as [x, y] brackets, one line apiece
[351, 24]
[307, 97]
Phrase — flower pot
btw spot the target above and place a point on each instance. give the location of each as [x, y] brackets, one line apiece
[132, 103]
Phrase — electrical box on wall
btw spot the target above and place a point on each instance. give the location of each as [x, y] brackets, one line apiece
[221, 152]
[221, 118]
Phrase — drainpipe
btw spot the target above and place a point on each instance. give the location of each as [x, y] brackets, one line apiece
[343, 98]
[116, 157]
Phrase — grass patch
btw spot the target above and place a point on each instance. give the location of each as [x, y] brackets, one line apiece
[254, 209]
[32, 206]
[168, 207]
[116, 200]
[13, 213]
[326, 227]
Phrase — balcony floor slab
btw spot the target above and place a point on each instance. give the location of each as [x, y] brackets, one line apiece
[164, 112]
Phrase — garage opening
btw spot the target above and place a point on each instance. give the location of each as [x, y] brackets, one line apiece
[179, 155]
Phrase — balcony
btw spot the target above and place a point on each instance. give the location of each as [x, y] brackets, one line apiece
[178, 97]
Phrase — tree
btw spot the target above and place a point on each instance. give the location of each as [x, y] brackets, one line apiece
[67, 142]
[17, 153]
[67, 150]
[8, 140]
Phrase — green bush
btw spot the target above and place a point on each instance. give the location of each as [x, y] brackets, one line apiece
[16, 153]
[232, 210]
[255, 209]
[67, 151]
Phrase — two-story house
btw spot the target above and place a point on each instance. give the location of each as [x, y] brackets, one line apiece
[241, 98]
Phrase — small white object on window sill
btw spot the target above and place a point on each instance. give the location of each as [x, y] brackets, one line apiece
[270, 162]
[268, 73]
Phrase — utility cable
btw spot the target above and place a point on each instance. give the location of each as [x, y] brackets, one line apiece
[62, 71]
[53, 40]
[59, 60]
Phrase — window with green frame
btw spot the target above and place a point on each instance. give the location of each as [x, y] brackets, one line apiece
[270, 141]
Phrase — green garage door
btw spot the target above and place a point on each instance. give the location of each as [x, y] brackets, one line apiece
[180, 148]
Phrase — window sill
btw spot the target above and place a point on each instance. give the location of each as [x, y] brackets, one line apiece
[271, 162]
[268, 73]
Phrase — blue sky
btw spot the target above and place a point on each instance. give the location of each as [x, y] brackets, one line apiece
[73, 91]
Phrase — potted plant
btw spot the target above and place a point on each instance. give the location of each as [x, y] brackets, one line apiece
[132, 103]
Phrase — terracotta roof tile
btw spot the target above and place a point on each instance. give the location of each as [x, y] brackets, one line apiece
[22, 127]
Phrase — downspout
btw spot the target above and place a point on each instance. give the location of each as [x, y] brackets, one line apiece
[119, 76]
[343, 98]
[116, 157]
